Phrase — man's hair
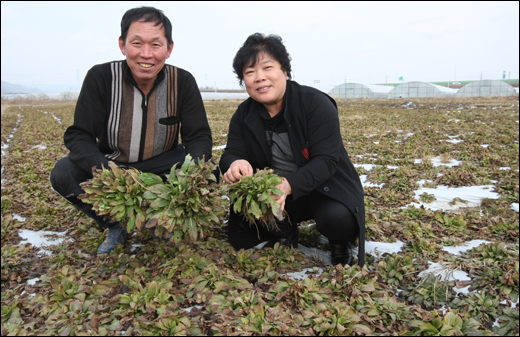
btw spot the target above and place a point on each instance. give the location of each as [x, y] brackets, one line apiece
[146, 14]
[256, 44]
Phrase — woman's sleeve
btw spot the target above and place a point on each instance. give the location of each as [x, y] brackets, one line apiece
[235, 146]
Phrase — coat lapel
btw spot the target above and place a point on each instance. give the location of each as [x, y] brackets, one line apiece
[255, 124]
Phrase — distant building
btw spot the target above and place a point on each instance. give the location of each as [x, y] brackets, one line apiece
[486, 88]
[421, 89]
[358, 90]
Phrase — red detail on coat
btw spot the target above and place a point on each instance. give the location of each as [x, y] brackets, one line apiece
[306, 153]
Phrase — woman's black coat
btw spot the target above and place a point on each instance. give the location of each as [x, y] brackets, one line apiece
[317, 146]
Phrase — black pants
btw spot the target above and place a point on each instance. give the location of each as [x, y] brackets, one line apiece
[333, 220]
[66, 177]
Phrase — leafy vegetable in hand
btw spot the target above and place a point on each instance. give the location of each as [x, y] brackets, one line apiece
[188, 203]
[116, 194]
[253, 198]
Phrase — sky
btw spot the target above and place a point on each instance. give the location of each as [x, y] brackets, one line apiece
[330, 43]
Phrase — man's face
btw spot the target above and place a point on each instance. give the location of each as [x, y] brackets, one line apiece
[146, 50]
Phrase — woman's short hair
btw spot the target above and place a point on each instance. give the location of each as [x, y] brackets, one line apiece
[146, 14]
[256, 44]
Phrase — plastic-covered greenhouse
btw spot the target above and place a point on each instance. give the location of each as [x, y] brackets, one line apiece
[358, 90]
[421, 89]
[486, 88]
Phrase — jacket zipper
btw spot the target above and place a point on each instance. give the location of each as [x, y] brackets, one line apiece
[144, 107]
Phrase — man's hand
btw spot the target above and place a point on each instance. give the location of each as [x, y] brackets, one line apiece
[285, 187]
[237, 169]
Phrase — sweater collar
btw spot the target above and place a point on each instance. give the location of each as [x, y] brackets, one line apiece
[129, 76]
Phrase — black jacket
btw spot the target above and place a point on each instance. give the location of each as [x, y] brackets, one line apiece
[317, 146]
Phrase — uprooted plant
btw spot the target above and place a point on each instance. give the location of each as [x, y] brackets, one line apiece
[116, 194]
[252, 196]
[187, 204]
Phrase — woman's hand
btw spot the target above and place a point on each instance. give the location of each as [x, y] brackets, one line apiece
[237, 169]
[285, 187]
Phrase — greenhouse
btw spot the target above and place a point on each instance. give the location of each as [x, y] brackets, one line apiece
[421, 89]
[358, 90]
[486, 88]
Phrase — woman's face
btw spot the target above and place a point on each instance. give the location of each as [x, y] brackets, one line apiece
[265, 82]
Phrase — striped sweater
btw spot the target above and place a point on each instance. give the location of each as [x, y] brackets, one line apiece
[115, 121]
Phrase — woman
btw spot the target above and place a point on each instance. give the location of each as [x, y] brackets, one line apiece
[294, 130]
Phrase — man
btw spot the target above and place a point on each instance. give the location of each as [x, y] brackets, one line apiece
[131, 112]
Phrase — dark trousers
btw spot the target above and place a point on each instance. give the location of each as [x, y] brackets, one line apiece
[66, 177]
[333, 220]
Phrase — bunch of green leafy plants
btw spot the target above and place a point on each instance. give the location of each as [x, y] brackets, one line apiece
[252, 196]
[116, 194]
[188, 204]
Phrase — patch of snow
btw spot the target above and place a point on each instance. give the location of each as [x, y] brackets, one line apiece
[364, 182]
[219, 147]
[32, 281]
[472, 195]
[18, 217]
[41, 239]
[457, 250]
[514, 206]
[379, 248]
[57, 119]
[453, 141]
[134, 247]
[367, 167]
[301, 275]
[437, 161]
[447, 274]
[189, 309]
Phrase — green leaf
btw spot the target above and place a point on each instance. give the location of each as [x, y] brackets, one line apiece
[149, 195]
[131, 224]
[237, 207]
[277, 191]
[150, 179]
[255, 210]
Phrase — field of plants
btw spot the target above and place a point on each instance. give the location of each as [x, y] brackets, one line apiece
[405, 152]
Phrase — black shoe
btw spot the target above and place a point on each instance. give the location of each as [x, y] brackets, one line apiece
[116, 235]
[340, 253]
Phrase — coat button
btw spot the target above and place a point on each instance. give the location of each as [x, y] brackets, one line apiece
[326, 189]
[357, 209]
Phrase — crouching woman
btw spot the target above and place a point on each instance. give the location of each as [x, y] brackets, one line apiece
[294, 130]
